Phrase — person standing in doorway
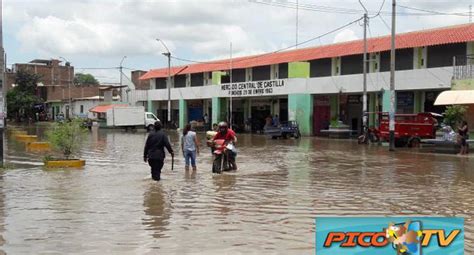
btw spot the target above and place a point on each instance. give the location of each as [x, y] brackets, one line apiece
[268, 121]
[205, 118]
[189, 147]
[154, 152]
[463, 132]
[276, 121]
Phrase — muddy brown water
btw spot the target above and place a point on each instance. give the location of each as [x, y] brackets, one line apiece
[267, 207]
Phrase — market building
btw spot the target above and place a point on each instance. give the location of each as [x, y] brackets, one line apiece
[314, 86]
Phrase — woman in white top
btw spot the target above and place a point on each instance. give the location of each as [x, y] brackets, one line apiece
[190, 147]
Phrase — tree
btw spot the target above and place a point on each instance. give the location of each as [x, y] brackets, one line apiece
[67, 137]
[22, 98]
[85, 79]
[454, 115]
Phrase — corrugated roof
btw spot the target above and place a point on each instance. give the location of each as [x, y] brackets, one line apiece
[429, 37]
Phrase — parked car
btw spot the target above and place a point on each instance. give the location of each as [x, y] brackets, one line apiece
[284, 130]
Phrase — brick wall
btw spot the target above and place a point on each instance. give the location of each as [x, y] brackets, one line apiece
[53, 74]
[62, 92]
[140, 84]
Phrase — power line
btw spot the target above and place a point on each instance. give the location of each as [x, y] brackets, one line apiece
[337, 10]
[434, 12]
[380, 10]
[219, 62]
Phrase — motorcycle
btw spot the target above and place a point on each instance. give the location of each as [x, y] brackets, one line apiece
[372, 136]
[223, 156]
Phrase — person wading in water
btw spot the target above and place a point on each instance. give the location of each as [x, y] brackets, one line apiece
[154, 152]
[189, 147]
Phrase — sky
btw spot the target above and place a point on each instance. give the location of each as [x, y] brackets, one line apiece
[94, 35]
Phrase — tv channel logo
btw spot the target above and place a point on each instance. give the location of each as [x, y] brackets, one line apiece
[397, 235]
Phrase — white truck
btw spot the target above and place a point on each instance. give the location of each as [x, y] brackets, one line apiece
[130, 117]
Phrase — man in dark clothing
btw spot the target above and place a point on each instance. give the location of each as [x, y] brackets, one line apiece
[154, 152]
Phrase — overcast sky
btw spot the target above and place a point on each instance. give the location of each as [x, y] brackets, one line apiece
[98, 33]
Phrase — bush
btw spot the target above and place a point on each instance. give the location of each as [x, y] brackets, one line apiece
[67, 137]
[454, 115]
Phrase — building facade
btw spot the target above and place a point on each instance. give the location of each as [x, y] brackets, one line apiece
[314, 86]
[57, 89]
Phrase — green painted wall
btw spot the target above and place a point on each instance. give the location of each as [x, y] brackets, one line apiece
[298, 70]
[149, 107]
[463, 84]
[183, 113]
[219, 109]
[300, 108]
[216, 77]
[386, 101]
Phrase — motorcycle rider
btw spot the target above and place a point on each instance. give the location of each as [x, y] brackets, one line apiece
[228, 135]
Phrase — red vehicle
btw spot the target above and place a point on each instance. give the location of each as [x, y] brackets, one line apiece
[409, 128]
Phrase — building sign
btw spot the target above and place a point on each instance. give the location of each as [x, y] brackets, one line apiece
[354, 99]
[253, 88]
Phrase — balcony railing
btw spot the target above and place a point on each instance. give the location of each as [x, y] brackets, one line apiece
[463, 67]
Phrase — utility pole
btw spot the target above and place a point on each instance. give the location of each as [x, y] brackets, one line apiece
[121, 81]
[470, 13]
[364, 97]
[2, 79]
[168, 81]
[231, 81]
[392, 81]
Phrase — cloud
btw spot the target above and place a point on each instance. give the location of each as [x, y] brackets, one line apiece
[344, 36]
[93, 33]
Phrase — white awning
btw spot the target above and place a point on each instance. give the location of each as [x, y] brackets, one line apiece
[455, 97]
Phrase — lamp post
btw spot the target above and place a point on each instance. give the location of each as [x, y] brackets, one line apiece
[392, 81]
[168, 81]
[69, 85]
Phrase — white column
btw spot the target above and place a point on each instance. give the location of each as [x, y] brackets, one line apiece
[248, 74]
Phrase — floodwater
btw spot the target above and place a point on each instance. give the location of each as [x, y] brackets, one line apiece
[266, 207]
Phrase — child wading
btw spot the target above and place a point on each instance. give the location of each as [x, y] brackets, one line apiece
[190, 147]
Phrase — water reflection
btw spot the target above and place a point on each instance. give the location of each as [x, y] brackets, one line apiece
[157, 210]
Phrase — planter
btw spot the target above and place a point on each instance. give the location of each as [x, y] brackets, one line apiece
[38, 146]
[19, 132]
[65, 163]
[27, 138]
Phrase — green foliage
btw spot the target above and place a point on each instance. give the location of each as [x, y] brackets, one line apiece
[67, 137]
[85, 79]
[454, 115]
[334, 123]
[21, 98]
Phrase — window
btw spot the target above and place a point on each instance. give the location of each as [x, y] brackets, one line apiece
[82, 108]
[150, 116]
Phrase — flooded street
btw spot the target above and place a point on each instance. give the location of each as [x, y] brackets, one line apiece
[267, 207]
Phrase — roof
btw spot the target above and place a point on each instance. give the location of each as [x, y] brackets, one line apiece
[455, 97]
[43, 61]
[104, 108]
[429, 37]
[93, 98]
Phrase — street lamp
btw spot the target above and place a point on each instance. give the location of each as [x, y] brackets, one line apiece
[69, 84]
[168, 55]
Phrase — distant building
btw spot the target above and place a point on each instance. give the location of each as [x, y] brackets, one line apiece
[57, 88]
[140, 84]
